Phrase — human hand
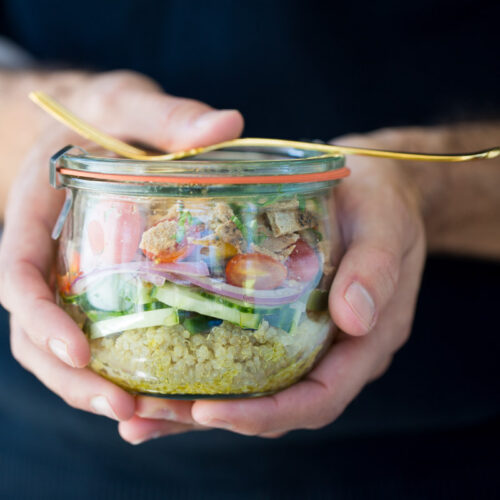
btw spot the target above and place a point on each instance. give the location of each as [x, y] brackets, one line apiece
[43, 338]
[372, 300]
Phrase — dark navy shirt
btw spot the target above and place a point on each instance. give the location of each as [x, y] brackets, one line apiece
[295, 69]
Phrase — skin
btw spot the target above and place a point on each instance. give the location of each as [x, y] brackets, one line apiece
[391, 214]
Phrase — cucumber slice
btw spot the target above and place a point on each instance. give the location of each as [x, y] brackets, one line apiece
[98, 315]
[196, 323]
[288, 317]
[164, 317]
[189, 299]
[106, 294]
[116, 293]
[300, 309]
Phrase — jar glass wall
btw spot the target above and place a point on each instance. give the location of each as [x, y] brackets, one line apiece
[200, 290]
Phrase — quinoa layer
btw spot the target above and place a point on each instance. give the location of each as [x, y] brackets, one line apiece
[228, 360]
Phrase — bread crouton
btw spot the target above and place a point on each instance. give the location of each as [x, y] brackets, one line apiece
[160, 237]
[286, 222]
[277, 248]
[223, 225]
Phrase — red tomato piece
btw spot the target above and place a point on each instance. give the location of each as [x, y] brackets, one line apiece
[303, 262]
[180, 251]
[255, 270]
[65, 281]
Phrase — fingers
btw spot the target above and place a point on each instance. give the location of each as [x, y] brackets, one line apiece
[348, 366]
[30, 300]
[131, 106]
[172, 123]
[25, 269]
[164, 409]
[367, 278]
[379, 229]
[80, 388]
[138, 430]
[310, 404]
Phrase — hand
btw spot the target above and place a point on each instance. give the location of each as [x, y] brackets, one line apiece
[43, 338]
[372, 300]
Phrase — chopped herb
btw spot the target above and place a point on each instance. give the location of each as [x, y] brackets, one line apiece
[318, 235]
[302, 203]
[240, 226]
[238, 223]
[185, 216]
[260, 237]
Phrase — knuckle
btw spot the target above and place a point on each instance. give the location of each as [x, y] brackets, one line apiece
[67, 392]
[382, 368]
[115, 81]
[254, 428]
[180, 109]
[15, 346]
[325, 416]
[175, 111]
[273, 435]
[72, 400]
[386, 269]
[105, 91]
[2, 287]
[7, 275]
[317, 423]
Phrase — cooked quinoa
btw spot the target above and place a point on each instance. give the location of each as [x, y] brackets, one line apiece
[228, 360]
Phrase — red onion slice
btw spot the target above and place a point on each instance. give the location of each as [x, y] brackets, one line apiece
[154, 273]
[279, 296]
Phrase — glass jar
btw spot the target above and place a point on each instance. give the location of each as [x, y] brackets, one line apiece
[205, 277]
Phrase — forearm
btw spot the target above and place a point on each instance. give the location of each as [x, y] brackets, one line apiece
[460, 201]
[21, 123]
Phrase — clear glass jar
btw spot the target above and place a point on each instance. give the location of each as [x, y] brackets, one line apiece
[206, 277]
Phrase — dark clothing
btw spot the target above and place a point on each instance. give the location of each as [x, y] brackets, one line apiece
[430, 428]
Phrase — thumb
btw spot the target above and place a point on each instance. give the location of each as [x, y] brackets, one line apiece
[131, 107]
[369, 271]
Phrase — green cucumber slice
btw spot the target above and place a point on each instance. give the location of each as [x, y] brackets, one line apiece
[189, 299]
[145, 319]
[98, 315]
[117, 293]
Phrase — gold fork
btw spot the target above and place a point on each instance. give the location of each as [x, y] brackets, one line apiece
[121, 148]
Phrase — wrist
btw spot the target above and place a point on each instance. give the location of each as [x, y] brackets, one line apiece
[428, 183]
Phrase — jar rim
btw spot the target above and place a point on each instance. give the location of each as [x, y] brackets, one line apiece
[240, 165]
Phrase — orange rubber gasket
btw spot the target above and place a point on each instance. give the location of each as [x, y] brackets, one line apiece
[256, 179]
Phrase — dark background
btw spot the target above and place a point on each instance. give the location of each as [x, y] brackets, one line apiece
[430, 427]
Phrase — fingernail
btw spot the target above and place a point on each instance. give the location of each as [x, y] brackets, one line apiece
[60, 349]
[361, 303]
[207, 119]
[100, 405]
[149, 437]
[163, 413]
[219, 424]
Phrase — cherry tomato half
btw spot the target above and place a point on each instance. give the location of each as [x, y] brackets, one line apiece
[179, 251]
[303, 263]
[65, 281]
[255, 270]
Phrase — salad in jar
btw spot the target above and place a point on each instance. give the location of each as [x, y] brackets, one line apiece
[200, 296]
